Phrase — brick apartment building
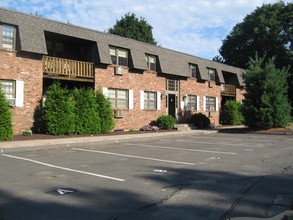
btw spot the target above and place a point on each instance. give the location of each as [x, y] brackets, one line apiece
[141, 80]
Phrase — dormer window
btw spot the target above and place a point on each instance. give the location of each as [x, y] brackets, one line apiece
[119, 56]
[151, 62]
[7, 36]
[212, 74]
[193, 70]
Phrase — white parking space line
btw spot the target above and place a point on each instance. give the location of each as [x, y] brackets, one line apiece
[133, 156]
[200, 142]
[64, 168]
[182, 149]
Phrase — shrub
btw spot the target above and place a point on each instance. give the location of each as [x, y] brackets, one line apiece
[166, 122]
[59, 111]
[231, 114]
[200, 120]
[87, 119]
[6, 129]
[149, 128]
[105, 111]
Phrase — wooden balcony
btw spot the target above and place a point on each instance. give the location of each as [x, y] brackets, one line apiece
[59, 68]
[228, 90]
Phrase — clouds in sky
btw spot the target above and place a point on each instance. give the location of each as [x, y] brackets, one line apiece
[196, 27]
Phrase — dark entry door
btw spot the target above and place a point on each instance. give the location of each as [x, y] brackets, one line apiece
[172, 105]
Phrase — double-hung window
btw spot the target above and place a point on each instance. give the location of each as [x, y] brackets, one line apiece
[7, 36]
[212, 75]
[13, 91]
[151, 62]
[210, 103]
[193, 70]
[150, 100]
[191, 102]
[8, 87]
[118, 98]
[119, 56]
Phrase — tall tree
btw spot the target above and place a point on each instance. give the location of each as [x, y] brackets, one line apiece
[267, 31]
[266, 104]
[135, 28]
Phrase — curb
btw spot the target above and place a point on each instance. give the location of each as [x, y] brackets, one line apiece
[51, 143]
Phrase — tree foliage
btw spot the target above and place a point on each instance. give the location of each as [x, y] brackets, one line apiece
[135, 28]
[232, 113]
[87, 119]
[59, 111]
[266, 104]
[6, 128]
[268, 32]
[105, 111]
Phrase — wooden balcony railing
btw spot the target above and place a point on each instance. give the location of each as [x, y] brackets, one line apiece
[68, 68]
[228, 90]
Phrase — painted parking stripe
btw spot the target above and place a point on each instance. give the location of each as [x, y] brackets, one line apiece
[64, 168]
[201, 142]
[182, 149]
[133, 156]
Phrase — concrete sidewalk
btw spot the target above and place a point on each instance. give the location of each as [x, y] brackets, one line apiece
[111, 138]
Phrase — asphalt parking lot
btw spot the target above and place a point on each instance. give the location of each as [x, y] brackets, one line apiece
[216, 176]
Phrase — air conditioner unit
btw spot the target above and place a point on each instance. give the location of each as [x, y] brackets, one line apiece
[119, 70]
[211, 84]
[118, 113]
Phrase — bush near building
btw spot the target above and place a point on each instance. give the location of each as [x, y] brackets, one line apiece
[231, 114]
[166, 122]
[105, 111]
[80, 111]
[6, 129]
[59, 113]
[87, 119]
[200, 120]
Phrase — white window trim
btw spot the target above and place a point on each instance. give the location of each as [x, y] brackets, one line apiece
[217, 104]
[204, 103]
[141, 100]
[158, 100]
[105, 91]
[197, 103]
[19, 93]
[130, 99]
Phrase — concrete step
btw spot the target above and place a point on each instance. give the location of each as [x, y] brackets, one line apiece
[185, 127]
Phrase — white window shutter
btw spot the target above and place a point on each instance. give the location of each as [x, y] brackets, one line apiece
[217, 104]
[197, 103]
[204, 103]
[141, 100]
[105, 91]
[158, 100]
[19, 93]
[130, 92]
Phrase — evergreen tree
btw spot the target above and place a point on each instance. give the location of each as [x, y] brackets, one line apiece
[105, 112]
[59, 111]
[266, 104]
[6, 128]
[87, 120]
[131, 27]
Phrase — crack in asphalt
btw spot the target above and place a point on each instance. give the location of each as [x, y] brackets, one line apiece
[242, 195]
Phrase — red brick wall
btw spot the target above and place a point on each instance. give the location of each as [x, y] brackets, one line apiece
[13, 67]
[148, 81]
[201, 89]
[29, 69]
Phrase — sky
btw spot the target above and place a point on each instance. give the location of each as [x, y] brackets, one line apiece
[195, 27]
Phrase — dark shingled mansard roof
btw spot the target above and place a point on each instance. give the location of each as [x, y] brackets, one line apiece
[32, 39]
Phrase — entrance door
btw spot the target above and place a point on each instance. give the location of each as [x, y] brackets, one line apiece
[172, 105]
